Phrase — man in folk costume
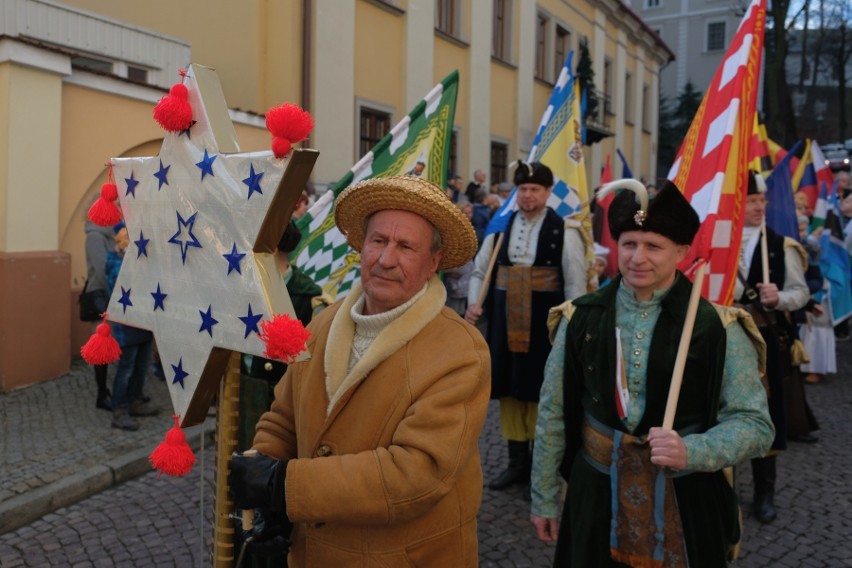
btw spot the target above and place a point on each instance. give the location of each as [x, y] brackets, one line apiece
[605, 395]
[540, 263]
[770, 300]
[376, 436]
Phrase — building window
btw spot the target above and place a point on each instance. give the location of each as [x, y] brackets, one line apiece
[607, 87]
[501, 32]
[92, 64]
[715, 36]
[628, 98]
[646, 108]
[541, 47]
[375, 124]
[137, 74]
[499, 161]
[562, 48]
[448, 16]
[653, 4]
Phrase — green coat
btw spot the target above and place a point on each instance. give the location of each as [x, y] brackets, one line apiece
[707, 504]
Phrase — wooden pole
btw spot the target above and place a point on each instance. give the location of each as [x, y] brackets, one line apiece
[683, 347]
[227, 423]
[764, 253]
[486, 281]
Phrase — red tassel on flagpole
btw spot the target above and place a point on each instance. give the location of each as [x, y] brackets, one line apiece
[284, 337]
[174, 113]
[173, 456]
[288, 124]
[101, 348]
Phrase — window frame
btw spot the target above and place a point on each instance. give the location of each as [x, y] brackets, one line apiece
[707, 26]
[375, 108]
[501, 31]
[498, 172]
[448, 17]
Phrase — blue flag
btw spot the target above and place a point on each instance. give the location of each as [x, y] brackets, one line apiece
[834, 263]
[780, 206]
[625, 169]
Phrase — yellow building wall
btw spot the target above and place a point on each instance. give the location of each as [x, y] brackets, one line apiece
[504, 110]
[254, 45]
[380, 57]
[30, 121]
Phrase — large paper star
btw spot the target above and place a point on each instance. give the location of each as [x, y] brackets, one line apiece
[186, 224]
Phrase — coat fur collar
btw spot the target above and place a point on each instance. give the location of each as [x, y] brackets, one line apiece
[389, 341]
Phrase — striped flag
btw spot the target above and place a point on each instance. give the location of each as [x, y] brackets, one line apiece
[811, 172]
[712, 164]
[761, 157]
[558, 145]
[418, 145]
[820, 210]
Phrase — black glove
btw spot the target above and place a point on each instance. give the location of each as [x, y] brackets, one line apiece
[269, 536]
[258, 483]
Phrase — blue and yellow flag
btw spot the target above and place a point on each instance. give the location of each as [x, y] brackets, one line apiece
[558, 144]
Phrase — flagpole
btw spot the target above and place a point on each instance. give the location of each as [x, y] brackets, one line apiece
[683, 347]
[483, 290]
[764, 252]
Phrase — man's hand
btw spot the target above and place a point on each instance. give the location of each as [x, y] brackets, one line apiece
[472, 314]
[768, 294]
[667, 448]
[546, 529]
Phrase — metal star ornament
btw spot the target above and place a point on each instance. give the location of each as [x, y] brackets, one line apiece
[203, 276]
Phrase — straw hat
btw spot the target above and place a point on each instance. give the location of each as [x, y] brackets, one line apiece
[406, 193]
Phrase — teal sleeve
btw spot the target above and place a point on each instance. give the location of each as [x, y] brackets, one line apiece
[550, 432]
[744, 428]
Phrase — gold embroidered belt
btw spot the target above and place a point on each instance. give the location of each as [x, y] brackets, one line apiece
[520, 282]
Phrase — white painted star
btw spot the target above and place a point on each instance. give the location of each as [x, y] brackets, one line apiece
[215, 205]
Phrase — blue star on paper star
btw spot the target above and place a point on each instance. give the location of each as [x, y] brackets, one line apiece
[141, 245]
[206, 164]
[190, 240]
[162, 175]
[234, 259]
[159, 297]
[180, 374]
[207, 321]
[253, 181]
[251, 320]
[125, 298]
[132, 182]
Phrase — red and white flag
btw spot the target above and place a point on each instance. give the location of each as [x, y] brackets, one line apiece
[711, 168]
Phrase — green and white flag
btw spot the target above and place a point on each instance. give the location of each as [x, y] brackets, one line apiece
[418, 145]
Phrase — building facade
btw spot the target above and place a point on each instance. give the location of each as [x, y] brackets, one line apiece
[78, 81]
[699, 31]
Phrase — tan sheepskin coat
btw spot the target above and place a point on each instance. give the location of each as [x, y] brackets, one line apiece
[384, 460]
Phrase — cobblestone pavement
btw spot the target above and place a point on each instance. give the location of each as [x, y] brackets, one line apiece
[157, 521]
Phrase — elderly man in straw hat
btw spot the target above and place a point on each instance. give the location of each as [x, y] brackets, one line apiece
[376, 436]
[605, 395]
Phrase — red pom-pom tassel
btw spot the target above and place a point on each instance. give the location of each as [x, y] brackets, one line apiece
[284, 337]
[288, 124]
[173, 112]
[173, 456]
[101, 348]
[104, 211]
